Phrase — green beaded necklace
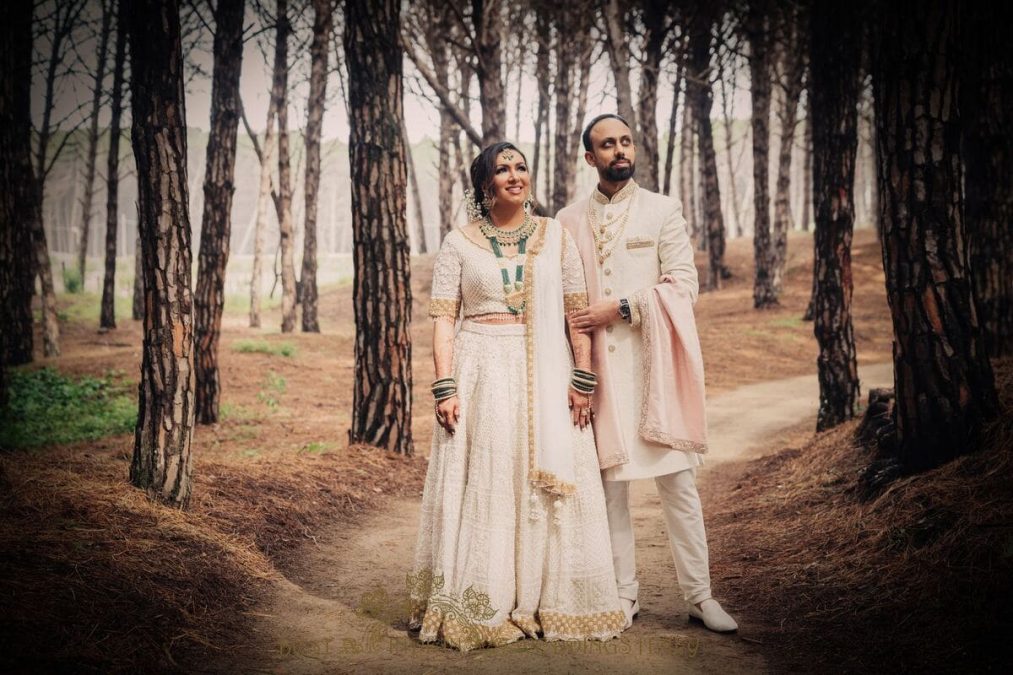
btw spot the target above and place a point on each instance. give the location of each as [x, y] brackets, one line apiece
[514, 290]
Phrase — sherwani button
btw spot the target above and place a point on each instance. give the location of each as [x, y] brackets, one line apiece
[608, 291]
[608, 271]
[612, 348]
[608, 329]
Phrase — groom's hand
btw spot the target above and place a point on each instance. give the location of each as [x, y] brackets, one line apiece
[595, 316]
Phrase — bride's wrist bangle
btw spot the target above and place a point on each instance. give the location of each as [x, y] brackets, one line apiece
[444, 388]
[583, 381]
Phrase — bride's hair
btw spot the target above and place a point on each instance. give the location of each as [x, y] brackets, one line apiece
[483, 169]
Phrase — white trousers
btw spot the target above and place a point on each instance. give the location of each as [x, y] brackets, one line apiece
[680, 504]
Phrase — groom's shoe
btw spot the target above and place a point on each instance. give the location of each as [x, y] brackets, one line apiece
[712, 616]
[630, 608]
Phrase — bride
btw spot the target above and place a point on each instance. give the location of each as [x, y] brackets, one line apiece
[513, 539]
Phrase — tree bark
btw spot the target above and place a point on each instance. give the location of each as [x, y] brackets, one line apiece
[286, 242]
[382, 397]
[543, 31]
[619, 55]
[319, 49]
[162, 464]
[137, 306]
[413, 182]
[758, 31]
[65, 17]
[489, 29]
[687, 194]
[703, 99]
[988, 160]
[264, 193]
[670, 147]
[943, 379]
[219, 186]
[93, 135]
[726, 118]
[836, 33]
[792, 70]
[17, 199]
[107, 318]
[655, 33]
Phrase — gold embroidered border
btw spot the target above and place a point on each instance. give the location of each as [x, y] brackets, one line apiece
[646, 432]
[617, 197]
[573, 302]
[466, 635]
[569, 626]
[439, 307]
[539, 478]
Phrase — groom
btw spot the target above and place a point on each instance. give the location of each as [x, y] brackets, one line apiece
[649, 405]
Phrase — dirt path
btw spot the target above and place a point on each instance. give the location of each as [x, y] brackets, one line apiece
[316, 620]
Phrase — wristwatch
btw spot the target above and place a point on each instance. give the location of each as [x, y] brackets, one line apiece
[624, 310]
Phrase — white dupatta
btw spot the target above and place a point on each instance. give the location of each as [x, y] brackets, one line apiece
[550, 362]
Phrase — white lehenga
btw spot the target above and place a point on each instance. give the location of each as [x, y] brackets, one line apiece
[501, 555]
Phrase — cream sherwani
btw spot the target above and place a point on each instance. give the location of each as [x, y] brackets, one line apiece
[649, 240]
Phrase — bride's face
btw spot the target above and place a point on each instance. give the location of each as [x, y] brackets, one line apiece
[510, 179]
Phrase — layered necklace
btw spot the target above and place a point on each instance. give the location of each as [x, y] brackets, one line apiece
[605, 238]
[514, 290]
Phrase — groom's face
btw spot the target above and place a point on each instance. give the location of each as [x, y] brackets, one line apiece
[612, 151]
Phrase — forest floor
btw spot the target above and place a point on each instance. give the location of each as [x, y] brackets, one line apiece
[295, 541]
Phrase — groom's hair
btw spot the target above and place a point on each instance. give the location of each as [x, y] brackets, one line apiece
[586, 136]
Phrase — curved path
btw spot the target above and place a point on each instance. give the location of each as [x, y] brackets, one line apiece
[337, 611]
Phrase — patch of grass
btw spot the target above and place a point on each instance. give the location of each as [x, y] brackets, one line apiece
[273, 386]
[316, 447]
[72, 281]
[264, 347]
[230, 411]
[48, 408]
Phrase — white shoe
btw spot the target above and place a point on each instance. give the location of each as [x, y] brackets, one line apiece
[630, 608]
[712, 616]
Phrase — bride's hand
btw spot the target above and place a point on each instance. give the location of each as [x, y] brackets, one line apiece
[580, 408]
[448, 411]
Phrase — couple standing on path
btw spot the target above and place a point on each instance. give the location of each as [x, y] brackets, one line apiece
[525, 521]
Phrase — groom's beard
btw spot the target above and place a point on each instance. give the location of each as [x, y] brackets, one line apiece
[616, 174]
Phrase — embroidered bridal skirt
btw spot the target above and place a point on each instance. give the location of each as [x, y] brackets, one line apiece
[498, 559]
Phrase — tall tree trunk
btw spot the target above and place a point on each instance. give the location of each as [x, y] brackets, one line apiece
[543, 32]
[382, 397]
[489, 30]
[107, 318]
[792, 70]
[162, 464]
[413, 182]
[286, 229]
[216, 222]
[17, 199]
[565, 87]
[836, 33]
[988, 183]
[137, 306]
[619, 55]
[726, 118]
[319, 50]
[687, 194]
[670, 142]
[64, 19]
[807, 170]
[655, 29]
[264, 194]
[437, 46]
[759, 77]
[93, 134]
[944, 383]
[703, 99]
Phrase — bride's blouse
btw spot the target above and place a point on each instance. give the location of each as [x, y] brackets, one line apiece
[466, 276]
